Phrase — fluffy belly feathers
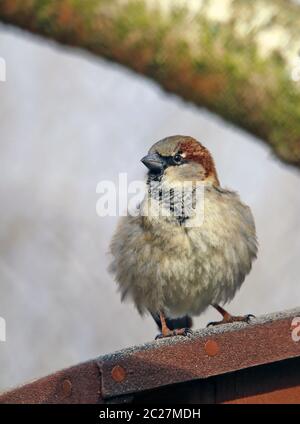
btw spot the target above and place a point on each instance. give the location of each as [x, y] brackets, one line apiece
[164, 266]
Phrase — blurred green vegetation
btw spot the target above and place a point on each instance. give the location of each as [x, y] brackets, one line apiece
[212, 61]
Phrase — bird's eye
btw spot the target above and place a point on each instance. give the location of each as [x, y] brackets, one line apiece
[177, 158]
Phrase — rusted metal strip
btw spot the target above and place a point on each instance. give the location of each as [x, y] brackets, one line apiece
[274, 383]
[78, 384]
[207, 353]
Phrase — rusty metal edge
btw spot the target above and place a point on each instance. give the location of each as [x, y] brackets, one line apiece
[202, 332]
[206, 353]
[75, 385]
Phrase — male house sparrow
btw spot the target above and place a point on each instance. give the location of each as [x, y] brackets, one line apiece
[174, 265]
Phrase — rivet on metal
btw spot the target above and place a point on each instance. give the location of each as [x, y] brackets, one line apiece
[118, 373]
[211, 348]
[66, 388]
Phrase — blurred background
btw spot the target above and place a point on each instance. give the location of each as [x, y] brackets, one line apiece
[69, 119]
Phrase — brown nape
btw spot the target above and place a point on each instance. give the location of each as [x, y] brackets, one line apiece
[196, 152]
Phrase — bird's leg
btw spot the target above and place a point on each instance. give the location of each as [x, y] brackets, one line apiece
[228, 318]
[166, 332]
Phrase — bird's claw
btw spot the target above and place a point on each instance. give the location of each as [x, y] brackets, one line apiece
[178, 332]
[248, 318]
[213, 323]
[185, 332]
[231, 319]
[159, 336]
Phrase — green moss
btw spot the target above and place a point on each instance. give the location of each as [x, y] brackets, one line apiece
[202, 60]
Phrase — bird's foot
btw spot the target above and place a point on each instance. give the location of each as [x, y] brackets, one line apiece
[228, 319]
[171, 333]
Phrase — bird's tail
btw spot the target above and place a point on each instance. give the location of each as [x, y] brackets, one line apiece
[174, 323]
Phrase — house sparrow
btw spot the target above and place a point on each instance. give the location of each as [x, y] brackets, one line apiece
[175, 264]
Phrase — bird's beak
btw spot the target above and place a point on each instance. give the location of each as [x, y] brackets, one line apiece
[154, 163]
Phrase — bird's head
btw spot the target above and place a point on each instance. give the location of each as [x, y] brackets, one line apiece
[178, 158]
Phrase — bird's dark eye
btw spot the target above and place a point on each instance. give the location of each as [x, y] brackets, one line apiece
[177, 158]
